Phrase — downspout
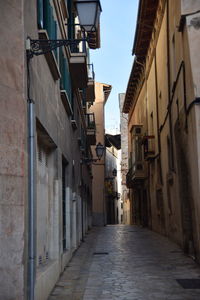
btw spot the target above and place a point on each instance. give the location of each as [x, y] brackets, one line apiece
[81, 196]
[31, 191]
[82, 208]
[157, 116]
[169, 88]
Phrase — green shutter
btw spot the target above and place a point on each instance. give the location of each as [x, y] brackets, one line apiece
[49, 23]
[47, 17]
[54, 36]
[68, 81]
[40, 14]
[71, 27]
[61, 63]
[65, 81]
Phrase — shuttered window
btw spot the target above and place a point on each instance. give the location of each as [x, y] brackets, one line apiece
[65, 81]
[64, 225]
[71, 27]
[40, 14]
[45, 19]
[44, 194]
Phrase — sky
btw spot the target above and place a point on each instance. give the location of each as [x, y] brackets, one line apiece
[113, 61]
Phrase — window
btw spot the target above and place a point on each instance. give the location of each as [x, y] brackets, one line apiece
[173, 59]
[45, 19]
[40, 14]
[65, 81]
[64, 239]
[170, 163]
[46, 172]
[83, 96]
[71, 28]
[136, 144]
[83, 139]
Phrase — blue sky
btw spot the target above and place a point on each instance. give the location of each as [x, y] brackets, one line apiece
[113, 61]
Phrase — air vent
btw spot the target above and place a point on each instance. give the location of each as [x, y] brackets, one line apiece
[100, 253]
[189, 283]
[40, 260]
[137, 130]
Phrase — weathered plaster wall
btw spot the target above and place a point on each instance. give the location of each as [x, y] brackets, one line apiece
[174, 184]
[56, 127]
[98, 170]
[13, 156]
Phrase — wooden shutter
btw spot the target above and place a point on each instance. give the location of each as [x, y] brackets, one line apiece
[40, 14]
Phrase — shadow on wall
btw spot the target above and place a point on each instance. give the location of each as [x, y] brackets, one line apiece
[185, 191]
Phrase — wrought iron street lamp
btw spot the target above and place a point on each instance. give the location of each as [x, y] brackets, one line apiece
[99, 150]
[99, 153]
[114, 172]
[88, 13]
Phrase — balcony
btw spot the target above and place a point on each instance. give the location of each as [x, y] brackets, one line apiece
[136, 175]
[90, 90]
[91, 128]
[149, 147]
[78, 65]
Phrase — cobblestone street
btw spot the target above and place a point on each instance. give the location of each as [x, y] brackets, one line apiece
[128, 263]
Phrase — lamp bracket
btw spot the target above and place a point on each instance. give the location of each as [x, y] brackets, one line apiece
[39, 47]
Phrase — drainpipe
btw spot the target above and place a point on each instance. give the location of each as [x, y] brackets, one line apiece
[82, 209]
[169, 88]
[157, 116]
[31, 200]
[31, 192]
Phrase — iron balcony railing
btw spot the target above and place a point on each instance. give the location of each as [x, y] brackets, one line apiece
[136, 173]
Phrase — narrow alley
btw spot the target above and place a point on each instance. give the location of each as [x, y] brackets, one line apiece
[128, 263]
[100, 150]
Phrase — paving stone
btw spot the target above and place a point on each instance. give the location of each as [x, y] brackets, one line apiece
[139, 265]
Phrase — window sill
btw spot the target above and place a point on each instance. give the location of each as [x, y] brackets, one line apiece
[50, 57]
[66, 103]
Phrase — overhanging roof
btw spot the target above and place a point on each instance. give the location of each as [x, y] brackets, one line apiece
[134, 81]
[107, 90]
[113, 140]
[145, 24]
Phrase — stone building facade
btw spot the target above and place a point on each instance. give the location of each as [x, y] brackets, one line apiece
[124, 162]
[112, 198]
[102, 92]
[162, 100]
[46, 132]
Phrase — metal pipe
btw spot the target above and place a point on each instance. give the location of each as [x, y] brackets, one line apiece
[31, 201]
[31, 190]
[157, 117]
[182, 67]
[169, 88]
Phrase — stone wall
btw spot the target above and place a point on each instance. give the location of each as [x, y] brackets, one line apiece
[13, 155]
